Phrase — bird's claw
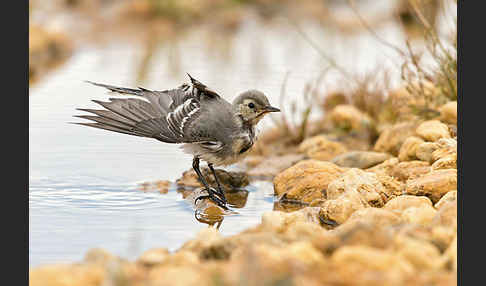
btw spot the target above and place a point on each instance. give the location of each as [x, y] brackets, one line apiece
[213, 196]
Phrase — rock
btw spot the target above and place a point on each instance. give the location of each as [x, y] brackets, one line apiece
[305, 231]
[442, 236]
[348, 117]
[306, 181]
[271, 166]
[304, 253]
[448, 112]
[392, 138]
[424, 151]
[422, 215]
[421, 254]
[447, 162]
[375, 216]
[279, 222]
[408, 151]
[433, 184]
[185, 276]
[450, 254]
[433, 130]
[68, 275]
[446, 148]
[100, 256]
[448, 197]
[410, 170]
[153, 257]
[321, 148]
[182, 258]
[360, 159]
[392, 187]
[365, 183]
[357, 232]
[336, 211]
[384, 168]
[447, 215]
[401, 203]
[228, 180]
[362, 263]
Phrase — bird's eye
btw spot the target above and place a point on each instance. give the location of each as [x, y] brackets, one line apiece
[251, 105]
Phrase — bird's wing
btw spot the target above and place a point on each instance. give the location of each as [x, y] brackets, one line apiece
[163, 115]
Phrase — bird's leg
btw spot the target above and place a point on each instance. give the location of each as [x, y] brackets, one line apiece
[195, 166]
[211, 193]
[220, 189]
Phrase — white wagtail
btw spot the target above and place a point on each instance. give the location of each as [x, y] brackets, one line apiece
[210, 128]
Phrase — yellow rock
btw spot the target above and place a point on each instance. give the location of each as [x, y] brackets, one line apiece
[306, 180]
[340, 209]
[421, 254]
[446, 147]
[384, 168]
[277, 221]
[205, 238]
[408, 151]
[305, 253]
[392, 138]
[360, 159]
[401, 203]
[98, 255]
[375, 216]
[68, 275]
[153, 257]
[433, 184]
[422, 215]
[447, 162]
[349, 117]
[425, 150]
[451, 254]
[447, 215]
[365, 183]
[359, 260]
[448, 112]
[433, 130]
[321, 148]
[410, 170]
[448, 197]
[168, 275]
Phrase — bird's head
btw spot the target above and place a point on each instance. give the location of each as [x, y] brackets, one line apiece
[252, 106]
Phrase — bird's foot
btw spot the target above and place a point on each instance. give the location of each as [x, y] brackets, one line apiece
[221, 193]
[213, 196]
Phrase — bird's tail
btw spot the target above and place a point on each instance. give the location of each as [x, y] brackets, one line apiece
[131, 115]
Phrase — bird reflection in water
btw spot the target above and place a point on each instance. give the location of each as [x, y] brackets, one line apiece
[205, 211]
[208, 213]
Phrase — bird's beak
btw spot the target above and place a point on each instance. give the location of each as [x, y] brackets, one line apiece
[271, 109]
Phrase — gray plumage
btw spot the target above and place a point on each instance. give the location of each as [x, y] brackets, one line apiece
[208, 126]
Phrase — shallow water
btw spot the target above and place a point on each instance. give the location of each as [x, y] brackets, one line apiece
[84, 183]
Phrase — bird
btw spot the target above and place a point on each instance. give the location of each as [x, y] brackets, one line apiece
[209, 127]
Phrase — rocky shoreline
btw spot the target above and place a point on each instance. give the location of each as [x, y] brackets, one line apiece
[379, 209]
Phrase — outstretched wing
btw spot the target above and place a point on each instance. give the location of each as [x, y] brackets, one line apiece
[163, 115]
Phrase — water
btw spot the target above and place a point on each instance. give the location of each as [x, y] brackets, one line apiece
[84, 183]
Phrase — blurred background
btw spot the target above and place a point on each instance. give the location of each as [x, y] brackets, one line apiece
[84, 186]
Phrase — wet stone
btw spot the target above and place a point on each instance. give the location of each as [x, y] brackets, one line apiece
[360, 159]
[306, 180]
[228, 179]
[270, 166]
